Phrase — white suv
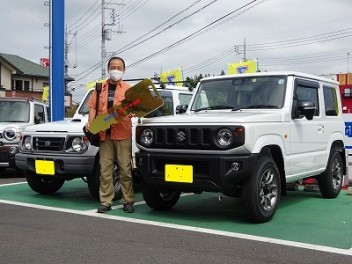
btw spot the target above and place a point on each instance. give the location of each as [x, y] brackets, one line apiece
[246, 135]
[16, 114]
[63, 145]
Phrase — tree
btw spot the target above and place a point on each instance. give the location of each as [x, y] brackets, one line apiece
[194, 80]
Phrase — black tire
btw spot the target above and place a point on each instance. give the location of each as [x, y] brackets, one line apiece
[43, 184]
[93, 182]
[160, 199]
[330, 181]
[262, 191]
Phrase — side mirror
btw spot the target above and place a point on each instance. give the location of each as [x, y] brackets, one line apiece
[306, 108]
[180, 109]
[37, 120]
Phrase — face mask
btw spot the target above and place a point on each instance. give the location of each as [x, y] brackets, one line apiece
[115, 75]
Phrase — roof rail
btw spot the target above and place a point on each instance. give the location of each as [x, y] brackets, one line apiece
[163, 84]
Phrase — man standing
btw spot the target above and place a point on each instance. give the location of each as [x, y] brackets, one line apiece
[115, 142]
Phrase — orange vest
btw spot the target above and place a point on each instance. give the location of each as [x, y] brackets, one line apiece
[122, 130]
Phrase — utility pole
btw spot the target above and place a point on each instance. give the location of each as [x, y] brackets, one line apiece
[106, 32]
[237, 50]
[103, 50]
[244, 50]
[66, 57]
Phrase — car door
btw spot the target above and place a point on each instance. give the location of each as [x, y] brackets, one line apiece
[307, 138]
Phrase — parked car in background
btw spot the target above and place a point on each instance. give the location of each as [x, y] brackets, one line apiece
[15, 115]
[58, 151]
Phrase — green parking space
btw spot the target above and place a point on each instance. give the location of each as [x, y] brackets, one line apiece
[302, 216]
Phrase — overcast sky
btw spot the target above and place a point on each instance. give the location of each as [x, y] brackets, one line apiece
[202, 37]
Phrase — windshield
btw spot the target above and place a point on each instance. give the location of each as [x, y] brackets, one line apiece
[12, 111]
[84, 109]
[168, 106]
[265, 92]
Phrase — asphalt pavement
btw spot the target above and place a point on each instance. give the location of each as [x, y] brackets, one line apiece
[40, 235]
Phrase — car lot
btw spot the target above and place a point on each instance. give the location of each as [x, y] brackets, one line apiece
[199, 229]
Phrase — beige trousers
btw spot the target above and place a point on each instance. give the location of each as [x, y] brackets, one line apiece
[121, 151]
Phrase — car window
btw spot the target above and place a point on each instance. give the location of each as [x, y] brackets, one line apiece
[14, 111]
[307, 91]
[184, 98]
[330, 99]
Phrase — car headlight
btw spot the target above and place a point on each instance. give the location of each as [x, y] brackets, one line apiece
[78, 144]
[11, 133]
[147, 137]
[27, 143]
[224, 137]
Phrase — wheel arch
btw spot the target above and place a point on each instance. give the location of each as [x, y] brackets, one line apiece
[340, 147]
[275, 152]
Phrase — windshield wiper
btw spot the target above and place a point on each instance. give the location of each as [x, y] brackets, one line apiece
[214, 107]
[262, 106]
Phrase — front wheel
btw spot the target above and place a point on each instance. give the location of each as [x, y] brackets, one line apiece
[261, 193]
[330, 181]
[160, 199]
[43, 184]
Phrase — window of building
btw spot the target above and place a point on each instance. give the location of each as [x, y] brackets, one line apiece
[26, 86]
[347, 92]
[18, 85]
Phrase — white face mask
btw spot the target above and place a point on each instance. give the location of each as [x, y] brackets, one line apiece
[115, 75]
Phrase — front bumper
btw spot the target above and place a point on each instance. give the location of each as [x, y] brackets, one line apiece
[65, 166]
[210, 172]
[7, 155]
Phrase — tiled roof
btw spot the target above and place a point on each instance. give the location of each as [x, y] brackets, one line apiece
[24, 66]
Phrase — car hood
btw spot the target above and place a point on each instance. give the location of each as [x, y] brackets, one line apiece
[3, 125]
[63, 126]
[216, 117]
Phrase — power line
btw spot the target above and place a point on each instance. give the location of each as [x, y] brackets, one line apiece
[87, 14]
[129, 46]
[196, 33]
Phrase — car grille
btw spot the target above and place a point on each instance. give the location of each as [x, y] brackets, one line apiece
[49, 143]
[183, 137]
[188, 137]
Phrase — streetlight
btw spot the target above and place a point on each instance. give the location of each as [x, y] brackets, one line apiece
[348, 62]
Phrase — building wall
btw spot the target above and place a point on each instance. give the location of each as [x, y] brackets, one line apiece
[35, 83]
[345, 84]
[5, 77]
[37, 95]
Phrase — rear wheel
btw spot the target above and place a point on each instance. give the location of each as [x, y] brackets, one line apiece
[160, 199]
[330, 181]
[43, 184]
[261, 193]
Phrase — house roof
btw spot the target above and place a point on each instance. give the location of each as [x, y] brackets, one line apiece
[23, 66]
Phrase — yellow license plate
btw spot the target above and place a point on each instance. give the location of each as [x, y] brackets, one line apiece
[46, 167]
[179, 173]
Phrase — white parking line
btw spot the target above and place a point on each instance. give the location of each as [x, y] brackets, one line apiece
[92, 213]
[13, 183]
